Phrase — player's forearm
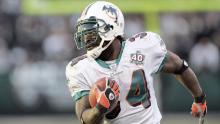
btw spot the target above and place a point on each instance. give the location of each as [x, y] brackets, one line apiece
[175, 65]
[92, 116]
[85, 113]
[190, 81]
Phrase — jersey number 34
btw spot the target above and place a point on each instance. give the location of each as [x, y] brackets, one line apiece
[138, 93]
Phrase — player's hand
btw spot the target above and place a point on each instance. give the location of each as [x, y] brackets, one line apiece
[199, 108]
[108, 98]
[115, 112]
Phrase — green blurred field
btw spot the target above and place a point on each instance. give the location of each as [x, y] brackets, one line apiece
[69, 119]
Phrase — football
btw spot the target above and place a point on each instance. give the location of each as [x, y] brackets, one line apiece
[100, 85]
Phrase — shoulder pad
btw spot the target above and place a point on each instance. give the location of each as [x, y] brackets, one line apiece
[77, 59]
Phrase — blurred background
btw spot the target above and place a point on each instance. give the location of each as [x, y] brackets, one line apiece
[36, 43]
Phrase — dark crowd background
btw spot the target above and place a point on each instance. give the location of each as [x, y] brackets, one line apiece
[34, 51]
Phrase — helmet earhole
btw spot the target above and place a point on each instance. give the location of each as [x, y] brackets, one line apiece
[108, 27]
[112, 27]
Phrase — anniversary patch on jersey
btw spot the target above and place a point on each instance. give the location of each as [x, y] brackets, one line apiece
[137, 58]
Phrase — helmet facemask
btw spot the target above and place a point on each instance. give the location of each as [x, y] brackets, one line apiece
[91, 35]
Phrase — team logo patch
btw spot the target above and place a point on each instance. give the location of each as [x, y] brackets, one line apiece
[111, 12]
[137, 58]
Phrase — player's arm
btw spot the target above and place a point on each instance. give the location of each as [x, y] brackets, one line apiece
[187, 77]
[86, 114]
[79, 90]
[106, 102]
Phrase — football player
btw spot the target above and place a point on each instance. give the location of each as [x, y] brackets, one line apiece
[130, 63]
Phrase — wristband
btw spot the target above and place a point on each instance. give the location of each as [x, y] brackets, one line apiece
[200, 99]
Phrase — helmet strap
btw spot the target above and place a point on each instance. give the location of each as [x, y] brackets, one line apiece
[96, 52]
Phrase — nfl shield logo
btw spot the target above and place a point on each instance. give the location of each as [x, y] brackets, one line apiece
[111, 96]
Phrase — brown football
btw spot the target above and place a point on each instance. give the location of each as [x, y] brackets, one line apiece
[99, 86]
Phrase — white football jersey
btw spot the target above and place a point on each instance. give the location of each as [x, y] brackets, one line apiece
[140, 57]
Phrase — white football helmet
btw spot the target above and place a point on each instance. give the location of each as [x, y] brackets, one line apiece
[100, 23]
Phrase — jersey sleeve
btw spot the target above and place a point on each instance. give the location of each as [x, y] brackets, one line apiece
[77, 83]
[157, 53]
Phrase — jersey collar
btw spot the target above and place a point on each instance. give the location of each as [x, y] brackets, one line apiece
[105, 65]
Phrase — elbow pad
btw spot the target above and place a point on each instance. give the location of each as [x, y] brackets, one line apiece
[183, 68]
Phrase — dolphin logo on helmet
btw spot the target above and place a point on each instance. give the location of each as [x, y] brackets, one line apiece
[111, 12]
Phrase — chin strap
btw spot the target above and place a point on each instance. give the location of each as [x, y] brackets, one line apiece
[96, 52]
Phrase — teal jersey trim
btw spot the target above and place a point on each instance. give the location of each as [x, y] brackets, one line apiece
[80, 94]
[102, 63]
[163, 63]
[105, 65]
